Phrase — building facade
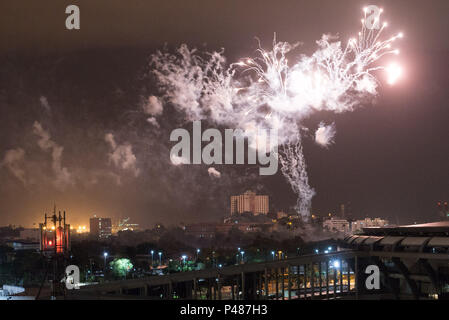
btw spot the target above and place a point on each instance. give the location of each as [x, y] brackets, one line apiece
[250, 202]
[101, 227]
[358, 225]
[337, 225]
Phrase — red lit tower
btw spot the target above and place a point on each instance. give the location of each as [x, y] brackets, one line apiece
[55, 246]
[54, 234]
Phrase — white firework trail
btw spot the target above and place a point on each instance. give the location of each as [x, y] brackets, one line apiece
[293, 167]
[269, 91]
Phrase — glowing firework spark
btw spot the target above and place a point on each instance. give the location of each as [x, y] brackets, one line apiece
[394, 73]
[266, 91]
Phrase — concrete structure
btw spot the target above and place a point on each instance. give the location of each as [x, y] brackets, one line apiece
[305, 277]
[411, 263]
[358, 225]
[413, 259]
[101, 227]
[337, 225]
[250, 202]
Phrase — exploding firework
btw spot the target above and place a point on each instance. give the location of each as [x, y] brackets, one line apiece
[269, 91]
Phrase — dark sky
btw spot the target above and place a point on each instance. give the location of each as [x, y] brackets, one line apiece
[68, 89]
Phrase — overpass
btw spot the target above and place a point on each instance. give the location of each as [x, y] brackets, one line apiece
[413, 263]
[339, 275]
[304, 277]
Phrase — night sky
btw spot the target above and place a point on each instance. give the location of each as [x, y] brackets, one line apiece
[70, 101]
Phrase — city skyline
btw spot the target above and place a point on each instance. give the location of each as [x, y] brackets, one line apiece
[247, 204]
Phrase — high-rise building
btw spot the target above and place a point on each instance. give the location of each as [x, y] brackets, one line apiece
[345, 211]
[101, 227]
[250, 202]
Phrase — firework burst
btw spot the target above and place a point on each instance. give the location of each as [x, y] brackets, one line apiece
[270, 91]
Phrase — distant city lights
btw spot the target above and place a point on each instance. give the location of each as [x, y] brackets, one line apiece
[81, 229]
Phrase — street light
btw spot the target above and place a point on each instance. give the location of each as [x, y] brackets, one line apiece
[243, 252]
[105, 255]
[152, 255]
[273, 253]
[184, 257]
[160, 258]
[197, 253]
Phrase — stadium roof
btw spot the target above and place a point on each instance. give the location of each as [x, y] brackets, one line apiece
[433, 228]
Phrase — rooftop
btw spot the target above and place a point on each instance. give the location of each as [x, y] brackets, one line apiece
[434, 228]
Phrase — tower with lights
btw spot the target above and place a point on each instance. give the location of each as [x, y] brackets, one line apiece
[54, 234]
[55, 246]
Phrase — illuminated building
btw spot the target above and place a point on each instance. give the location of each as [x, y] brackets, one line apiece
[249, 202]
[358, 225]
[337, 225]
[125, 225]
[101, 227]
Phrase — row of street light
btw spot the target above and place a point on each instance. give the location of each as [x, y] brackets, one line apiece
[183, 257]
[329, 249]
[242, 253]
[152, 257]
